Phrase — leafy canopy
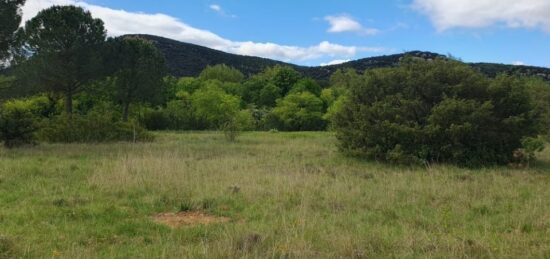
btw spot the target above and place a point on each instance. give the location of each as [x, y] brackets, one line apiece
[434, 111]
[10, 18]
[138, 71]
[64, 44]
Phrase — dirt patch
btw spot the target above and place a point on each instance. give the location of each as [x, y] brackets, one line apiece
[188, 218]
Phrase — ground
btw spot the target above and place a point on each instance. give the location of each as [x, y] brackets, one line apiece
[267, 195]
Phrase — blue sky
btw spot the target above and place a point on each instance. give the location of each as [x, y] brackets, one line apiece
[315, 32]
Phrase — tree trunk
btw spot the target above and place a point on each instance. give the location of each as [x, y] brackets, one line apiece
[125, 111]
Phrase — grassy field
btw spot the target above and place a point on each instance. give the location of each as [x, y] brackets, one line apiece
[285, 195]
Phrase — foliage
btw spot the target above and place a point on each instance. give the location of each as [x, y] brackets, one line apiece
[139, 71]
[334, 108]
[540, 93]
[10, 18]
[155, 119]
[242, 120]
[222, 73]
[435, 111]
[524, 156]
[300, 111]
[17, 122]
[94, 127]
[306, 85]
[284, 77]
[65, 42]
[180, 114]
[268, 96]
[188, 60]
[214, 106]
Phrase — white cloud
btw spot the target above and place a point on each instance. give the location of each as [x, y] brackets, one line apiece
[345, 23]
[335, 62]
[518, 63]
[120, 22]
[447, 14]
[216, 7]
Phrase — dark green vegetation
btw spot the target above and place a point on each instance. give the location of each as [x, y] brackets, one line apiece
[65, 43]
[189, 60]
[75, 85]
[286, 194]
[10, 18]
[439, 111]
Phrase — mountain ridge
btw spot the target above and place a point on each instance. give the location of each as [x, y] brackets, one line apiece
[186, 59]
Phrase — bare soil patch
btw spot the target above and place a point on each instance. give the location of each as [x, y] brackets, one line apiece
[188, 218]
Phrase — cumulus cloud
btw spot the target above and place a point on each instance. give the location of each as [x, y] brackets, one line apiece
[335, 62]
[447, 14]
[346, 23]
[120, 22]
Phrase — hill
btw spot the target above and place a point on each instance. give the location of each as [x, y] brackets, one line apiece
[185, 59]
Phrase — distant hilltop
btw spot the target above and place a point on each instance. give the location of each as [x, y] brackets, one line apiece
[185, 59]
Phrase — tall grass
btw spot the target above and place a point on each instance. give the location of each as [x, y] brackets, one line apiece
[287, 194]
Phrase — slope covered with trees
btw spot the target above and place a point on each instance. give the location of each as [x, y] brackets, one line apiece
[186, 59]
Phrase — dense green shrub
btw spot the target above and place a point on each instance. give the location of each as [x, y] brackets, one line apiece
[154, 119]
[540, 92]
[300, 111]
[435, 111]
[180, 114]
[214, 106]
[94, 127]
[17, 124]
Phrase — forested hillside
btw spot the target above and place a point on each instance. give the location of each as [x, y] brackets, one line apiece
[184, 59]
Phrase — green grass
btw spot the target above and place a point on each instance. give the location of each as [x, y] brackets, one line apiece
[298, 198]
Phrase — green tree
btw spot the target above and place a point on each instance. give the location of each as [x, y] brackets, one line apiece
[10, 18]
[222, 73]
[139, 71]
[268, 95]
[284, 77]
[344, 79]
[180, 113]
[65, 42]
[214, 106]
[306, 84]
[300, 111]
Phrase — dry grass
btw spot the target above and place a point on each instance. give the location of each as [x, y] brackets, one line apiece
[287, 195]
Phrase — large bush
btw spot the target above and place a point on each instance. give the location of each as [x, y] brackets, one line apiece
[214, 106]
[19, 119]
[435, 111]
[17, 126]
[94, 127]
[299, 112]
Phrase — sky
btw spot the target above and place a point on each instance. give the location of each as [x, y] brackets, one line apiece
[321, 32]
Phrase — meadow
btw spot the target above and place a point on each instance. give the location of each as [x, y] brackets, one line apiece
[285, 195]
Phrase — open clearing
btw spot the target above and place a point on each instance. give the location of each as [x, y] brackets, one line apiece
[269, 195]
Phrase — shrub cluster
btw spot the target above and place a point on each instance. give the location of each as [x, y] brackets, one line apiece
[27, 121]
[91, 128]
[435, 111]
